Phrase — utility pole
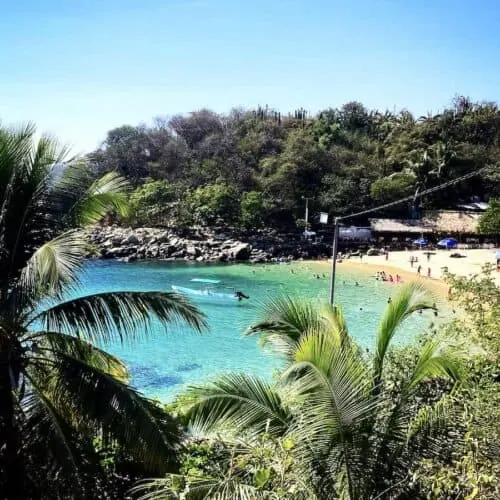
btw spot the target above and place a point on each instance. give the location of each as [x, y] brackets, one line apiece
[334, 257]
[306, 230]
[307, 214]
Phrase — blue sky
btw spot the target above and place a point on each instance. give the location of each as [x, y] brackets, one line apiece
[80, 68]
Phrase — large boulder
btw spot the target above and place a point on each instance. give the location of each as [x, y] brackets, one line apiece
[113, 253]
[193, 251]
[241, 251]
[131, 239]
[162, 237]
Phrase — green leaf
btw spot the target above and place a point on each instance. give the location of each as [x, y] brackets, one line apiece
[261, 477]
[105, 316]
[412, 297]
[55, 343]
[107, 194]
[116, 410]
[237, 403]
[55, 265]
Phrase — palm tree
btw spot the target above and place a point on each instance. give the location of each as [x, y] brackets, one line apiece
[58, 390]
[431, 164]
[355, 436]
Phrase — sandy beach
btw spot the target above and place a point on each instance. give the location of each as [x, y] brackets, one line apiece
[399, 263]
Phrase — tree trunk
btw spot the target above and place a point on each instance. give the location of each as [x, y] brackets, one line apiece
[11, 463]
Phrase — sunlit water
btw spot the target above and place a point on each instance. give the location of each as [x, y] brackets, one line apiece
[162, 363]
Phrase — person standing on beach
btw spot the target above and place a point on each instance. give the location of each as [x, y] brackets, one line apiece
[428, 272]
[419, 268]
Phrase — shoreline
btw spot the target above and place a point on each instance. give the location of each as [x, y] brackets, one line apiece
[437, 285]
[399, 263]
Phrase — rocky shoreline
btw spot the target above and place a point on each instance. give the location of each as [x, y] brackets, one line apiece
[201, 245]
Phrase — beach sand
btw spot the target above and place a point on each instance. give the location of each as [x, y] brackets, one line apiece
[399, 263]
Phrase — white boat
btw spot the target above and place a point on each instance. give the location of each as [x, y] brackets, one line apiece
[206, 280]
[204, 293]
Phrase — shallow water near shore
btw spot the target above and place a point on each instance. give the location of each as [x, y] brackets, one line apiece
[163, 363]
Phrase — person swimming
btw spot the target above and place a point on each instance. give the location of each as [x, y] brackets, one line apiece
[240, 296]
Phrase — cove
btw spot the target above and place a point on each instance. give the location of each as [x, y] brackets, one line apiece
[161, 364]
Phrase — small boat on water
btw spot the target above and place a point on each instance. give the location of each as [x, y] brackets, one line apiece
[206, 280]
[206, 293]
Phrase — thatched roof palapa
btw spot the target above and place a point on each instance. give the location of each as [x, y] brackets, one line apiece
[398, 226]
[454, 221]
[443, 221]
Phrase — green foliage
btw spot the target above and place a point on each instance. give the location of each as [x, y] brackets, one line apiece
[345, 159]
[474, 471]
[489, 223]
[479, 296]
[213, 203]
[252, 210]
[152, 199]
[339, 425]
[262, 469]
[58, 391]
[392, 188]
[470, 467]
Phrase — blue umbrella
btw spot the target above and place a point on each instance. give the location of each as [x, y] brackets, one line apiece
[421, 242]
[448, 243]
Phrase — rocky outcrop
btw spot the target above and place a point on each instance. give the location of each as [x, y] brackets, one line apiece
[201, 245]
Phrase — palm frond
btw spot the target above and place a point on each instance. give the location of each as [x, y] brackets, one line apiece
[411, 298]
[104, 316]
[230, 488]
[60, 343]
[55, 265]
[401, 426]
[157, 488]
[27, 217]
[335, 321]
[436, 360]
[116, 410]
[430, 421]
[237, 403]
[285, 319]
[334, 388]
[107, 194]
[335, 405]
[49, 434]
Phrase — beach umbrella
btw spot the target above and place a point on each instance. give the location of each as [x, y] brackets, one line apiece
[448, 243]
[421, 242]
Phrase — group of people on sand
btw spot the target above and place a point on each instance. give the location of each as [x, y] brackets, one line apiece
[419, 271]
[383, 276]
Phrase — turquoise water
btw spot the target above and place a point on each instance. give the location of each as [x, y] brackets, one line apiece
[164, 362]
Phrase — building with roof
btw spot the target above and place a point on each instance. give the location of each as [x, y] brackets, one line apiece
[442, 222]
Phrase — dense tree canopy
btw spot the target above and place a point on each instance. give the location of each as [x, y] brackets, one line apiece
[490, 220]
[344, 159]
